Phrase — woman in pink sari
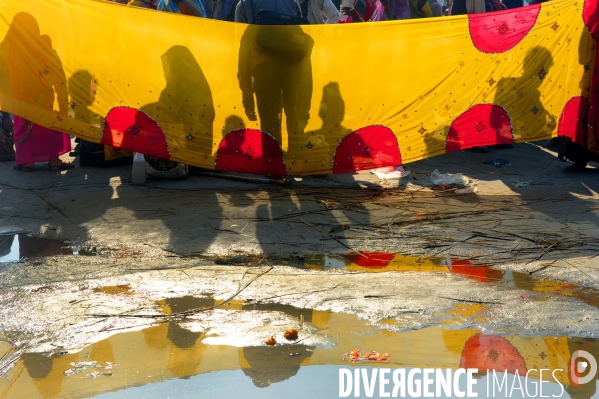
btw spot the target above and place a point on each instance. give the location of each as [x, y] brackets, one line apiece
[34, 143]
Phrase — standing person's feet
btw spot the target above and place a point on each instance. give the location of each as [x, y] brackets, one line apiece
[58, 164]
[26, 167]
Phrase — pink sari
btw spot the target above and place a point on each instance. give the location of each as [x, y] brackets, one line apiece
[40, 144]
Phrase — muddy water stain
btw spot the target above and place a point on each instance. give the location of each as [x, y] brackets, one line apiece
[379, 262]
[122, 289]
[14, 247]
[170, 352]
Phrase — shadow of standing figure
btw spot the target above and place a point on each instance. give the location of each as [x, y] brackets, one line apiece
[332, 113]
[82, 87]
[522, 93]
[185, 105]
[275, 74]
[31, 72]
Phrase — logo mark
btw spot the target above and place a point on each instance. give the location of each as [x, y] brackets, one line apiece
[580, 362]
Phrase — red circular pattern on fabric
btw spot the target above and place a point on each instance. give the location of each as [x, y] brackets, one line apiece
[573, 121]
[590, 15]
[501, 31]
[367, 148]
[131, 129]
[492, 352]
[481, 125]
[250, 151]
[373, 260]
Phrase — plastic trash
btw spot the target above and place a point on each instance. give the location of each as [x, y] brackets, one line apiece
[391, 173]
[467, 190]
[138, 171]
[498, 162]
[446, 178]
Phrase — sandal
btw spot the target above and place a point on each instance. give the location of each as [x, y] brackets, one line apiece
[62, 166]
[24, 168]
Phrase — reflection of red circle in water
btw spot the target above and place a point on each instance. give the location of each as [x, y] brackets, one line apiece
[483, 274]
[501, 30]
[367, 148]
[131, 129]
[250, 151]
[481, 125]
[492, 352]
[375, 260]
[590, 15]
[573, 121]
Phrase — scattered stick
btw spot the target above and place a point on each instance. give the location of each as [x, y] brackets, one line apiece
[296, 232]
[197, 310]
[246, 179]
[333, 237]
[223, 230]
[545, 266]
[296, 293]
[298, 341]
[472, 301]
[543, 252]
[580, 270]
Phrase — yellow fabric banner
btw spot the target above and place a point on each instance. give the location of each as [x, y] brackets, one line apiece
[296, 99]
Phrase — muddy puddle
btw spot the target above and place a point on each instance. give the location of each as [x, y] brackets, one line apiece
[15, 247]
[175, 359]
[378, 262]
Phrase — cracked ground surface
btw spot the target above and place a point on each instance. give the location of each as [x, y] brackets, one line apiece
[527, 239]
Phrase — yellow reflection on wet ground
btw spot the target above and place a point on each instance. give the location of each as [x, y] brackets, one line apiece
[169, 351]
[379, 262]
[123, 289]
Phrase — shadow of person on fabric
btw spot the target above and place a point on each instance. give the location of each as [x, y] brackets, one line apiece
[185, 109]
[31, 73]
[516, 109]
[82, 88]
[30, 69]
[82, 93]
[318, 145]
[275, 77]
[524, 101]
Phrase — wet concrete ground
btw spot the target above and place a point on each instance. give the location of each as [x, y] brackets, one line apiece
[431, 277]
